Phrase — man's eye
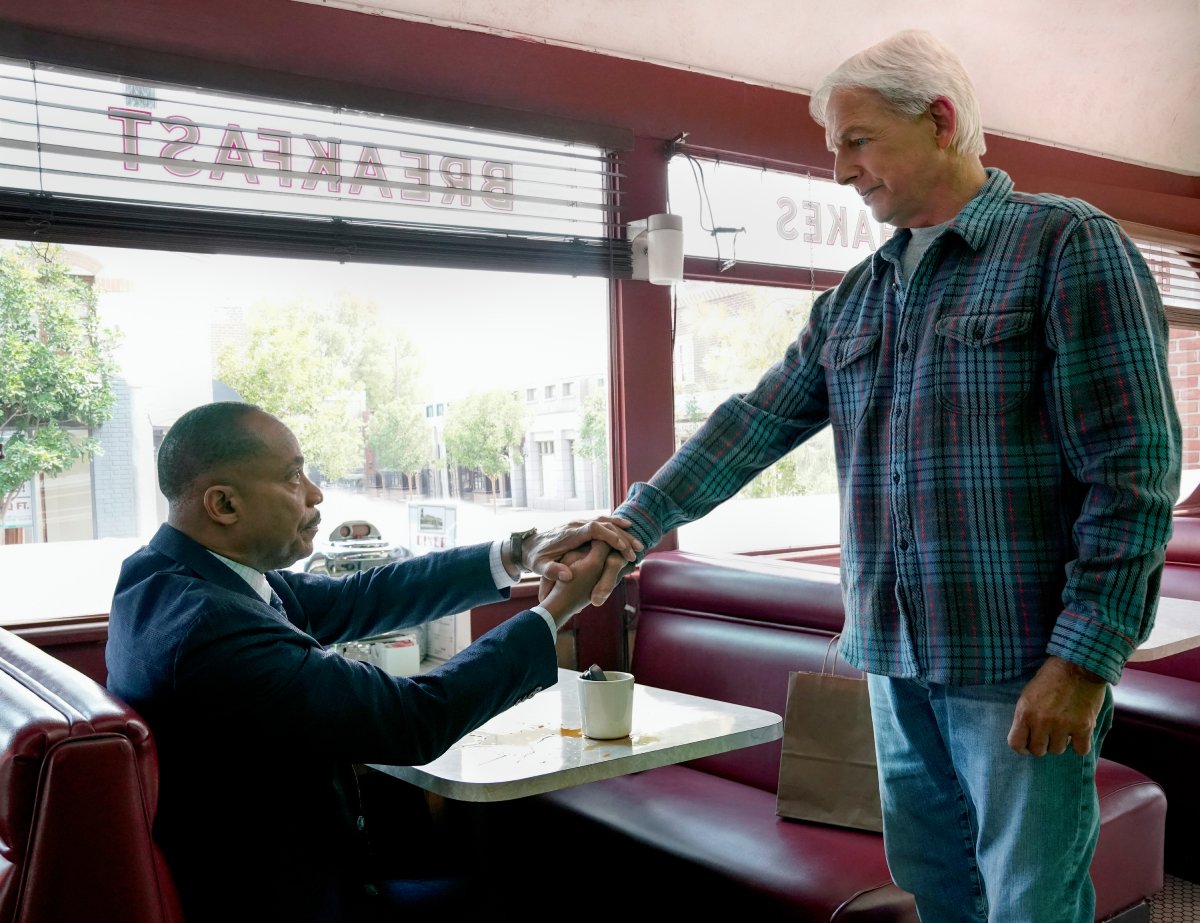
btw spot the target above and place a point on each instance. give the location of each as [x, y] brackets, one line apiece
[857, 142]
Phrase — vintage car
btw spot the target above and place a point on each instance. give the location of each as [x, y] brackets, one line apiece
[353, 546]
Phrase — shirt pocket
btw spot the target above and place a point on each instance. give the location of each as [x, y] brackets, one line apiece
[850, 362]
[985, 359]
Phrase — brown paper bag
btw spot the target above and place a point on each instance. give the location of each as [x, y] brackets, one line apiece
[827, 772]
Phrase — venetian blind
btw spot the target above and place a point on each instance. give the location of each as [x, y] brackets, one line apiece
[86, 157]
[1174, 260]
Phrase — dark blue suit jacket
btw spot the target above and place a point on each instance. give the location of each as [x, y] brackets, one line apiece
[257, 723]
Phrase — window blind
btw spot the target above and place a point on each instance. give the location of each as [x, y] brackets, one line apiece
[89, 157]
[1174, 260]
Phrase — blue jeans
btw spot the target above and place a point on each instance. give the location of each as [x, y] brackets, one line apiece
[977, 832]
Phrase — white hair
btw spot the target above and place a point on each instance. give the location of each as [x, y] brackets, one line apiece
[910, 70]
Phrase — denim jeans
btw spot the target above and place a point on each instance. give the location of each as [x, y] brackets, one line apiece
[977, 832]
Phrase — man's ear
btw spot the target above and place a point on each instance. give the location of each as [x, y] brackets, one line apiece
[945, 120]
[221, 504]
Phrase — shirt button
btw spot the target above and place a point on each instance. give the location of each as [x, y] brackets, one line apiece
[903, 544]
[895, 477]
[361, 823]
[903, 348]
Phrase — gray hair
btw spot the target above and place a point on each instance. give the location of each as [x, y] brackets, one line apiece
[910, 70]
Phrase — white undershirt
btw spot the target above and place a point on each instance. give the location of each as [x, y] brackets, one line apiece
[918, 243]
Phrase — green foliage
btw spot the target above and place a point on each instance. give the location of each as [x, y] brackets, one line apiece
[746, 332]
[56, 367]
[398, 434]
[282, 367]
[593, 429]
[484, 432]
[807, 469]
[381, 362]
[317, 369]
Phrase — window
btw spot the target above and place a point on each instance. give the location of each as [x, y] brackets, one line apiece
[388, 369]
[531, 394]
[549, 392]
[727, 334]
[1174, 260]
[734, 333]
[329, 347]
[567, 388]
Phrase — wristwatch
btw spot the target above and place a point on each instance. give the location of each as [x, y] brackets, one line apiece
[516, 542]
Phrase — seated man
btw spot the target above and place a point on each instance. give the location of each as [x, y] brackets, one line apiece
[258, 724]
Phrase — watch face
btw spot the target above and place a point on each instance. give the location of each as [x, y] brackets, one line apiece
[518, 547]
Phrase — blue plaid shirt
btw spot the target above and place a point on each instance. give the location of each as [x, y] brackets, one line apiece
[1007, 444]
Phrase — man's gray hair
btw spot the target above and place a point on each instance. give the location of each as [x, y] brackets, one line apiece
[910, 70]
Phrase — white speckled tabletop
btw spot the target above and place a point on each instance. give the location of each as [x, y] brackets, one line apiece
[1176, 629]
[537, 745]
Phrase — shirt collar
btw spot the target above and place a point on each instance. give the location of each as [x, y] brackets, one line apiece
[972, 223]
[257, 581]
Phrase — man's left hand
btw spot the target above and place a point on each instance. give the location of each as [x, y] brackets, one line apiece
[1058, 706]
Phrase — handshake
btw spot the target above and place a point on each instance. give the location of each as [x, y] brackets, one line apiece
[580, 563]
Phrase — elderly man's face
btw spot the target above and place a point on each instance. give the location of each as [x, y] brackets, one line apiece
[893, 161]
[277, 508]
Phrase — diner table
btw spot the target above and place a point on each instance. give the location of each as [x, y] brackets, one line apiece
[1176, 629]
[538, 745]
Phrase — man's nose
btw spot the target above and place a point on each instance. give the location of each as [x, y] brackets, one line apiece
[844, 169]
[314, 493]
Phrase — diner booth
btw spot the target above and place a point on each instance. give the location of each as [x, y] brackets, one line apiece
[484, 226]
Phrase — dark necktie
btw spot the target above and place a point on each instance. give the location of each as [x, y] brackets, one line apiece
[277, 604]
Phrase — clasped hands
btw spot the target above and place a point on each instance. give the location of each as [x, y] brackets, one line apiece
[581, 563]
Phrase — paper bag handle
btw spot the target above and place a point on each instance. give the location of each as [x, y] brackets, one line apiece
[835, 645]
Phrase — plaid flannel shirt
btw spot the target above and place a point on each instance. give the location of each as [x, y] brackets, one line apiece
[1008, 448]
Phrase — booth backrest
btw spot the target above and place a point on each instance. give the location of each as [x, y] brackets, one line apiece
[78, 795]
[753, 621]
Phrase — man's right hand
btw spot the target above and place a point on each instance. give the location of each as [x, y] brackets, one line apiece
[566, 597]
[615, 570]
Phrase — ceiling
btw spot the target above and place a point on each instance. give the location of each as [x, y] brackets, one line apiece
[1117, 78]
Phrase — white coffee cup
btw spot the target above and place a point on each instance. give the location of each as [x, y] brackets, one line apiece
[606, 706]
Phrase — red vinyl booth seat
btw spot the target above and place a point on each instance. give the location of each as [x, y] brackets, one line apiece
[78, 795]
[693, 836]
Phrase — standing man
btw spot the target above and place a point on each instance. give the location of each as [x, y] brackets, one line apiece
[1008, 456]
[257, 722]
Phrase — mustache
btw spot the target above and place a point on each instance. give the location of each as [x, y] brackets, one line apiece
[314, 522]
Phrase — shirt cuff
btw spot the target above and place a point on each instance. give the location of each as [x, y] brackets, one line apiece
[542, 611]
[504, 580]
[502, 577]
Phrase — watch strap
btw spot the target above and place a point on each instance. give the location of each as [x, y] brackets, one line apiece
[516, 542]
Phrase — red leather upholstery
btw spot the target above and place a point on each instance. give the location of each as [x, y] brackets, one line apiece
[693, 835]
[78, 794]
[1156, 728]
